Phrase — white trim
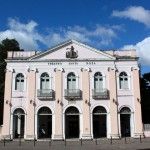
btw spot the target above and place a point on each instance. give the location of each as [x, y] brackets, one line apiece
[12, 121]
[36, 119]
[107, 119]
[132, 123]
[80, 119]
[14, 82]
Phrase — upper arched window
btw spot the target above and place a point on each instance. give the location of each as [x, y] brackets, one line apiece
[123, 80]
[98, 80]
[45, 81]
[19, 83]
[71, 81]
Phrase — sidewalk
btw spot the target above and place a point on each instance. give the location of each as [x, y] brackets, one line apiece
[131, 144]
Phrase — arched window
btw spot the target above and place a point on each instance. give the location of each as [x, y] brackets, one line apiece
[71, 81]
[45, 81]
[125, 110]
[19, 84]
[98, 81]
[123, 80]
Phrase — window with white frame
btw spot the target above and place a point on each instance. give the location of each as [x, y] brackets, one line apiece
[71, 81]
[44, 81]
[19, 82]
[98, 81]
[123, 80]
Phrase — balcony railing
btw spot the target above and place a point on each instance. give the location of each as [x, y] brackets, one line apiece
[100, 93]
[73, 93]
[45, 93]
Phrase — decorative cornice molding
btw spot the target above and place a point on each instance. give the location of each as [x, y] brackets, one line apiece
[59, 69]
[32, 69]
[135, 68]
[86, 69]
[10, 70]
[112, 68]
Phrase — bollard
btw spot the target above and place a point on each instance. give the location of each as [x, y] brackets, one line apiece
[111, 140]
[140, 139]
[96, 141]
[19, 140]
[125, 140]
[4, 141]
[81, 141]
[65, 142]
[50, 142]
[34, 141]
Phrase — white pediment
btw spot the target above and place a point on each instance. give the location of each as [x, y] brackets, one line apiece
[82, 51]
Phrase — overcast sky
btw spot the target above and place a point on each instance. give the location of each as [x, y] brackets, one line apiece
[102, 24]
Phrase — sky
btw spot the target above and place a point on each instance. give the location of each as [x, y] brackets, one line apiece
[102, 24]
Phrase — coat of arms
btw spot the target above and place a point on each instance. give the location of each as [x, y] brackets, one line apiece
[72, 53]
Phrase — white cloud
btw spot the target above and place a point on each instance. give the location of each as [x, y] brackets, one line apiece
[143, 50]
[136, 13]
[29, 36]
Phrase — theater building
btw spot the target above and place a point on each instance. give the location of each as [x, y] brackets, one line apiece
[72, 91]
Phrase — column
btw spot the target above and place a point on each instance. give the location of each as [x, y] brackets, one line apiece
[7, 104]
[86, 104]
[113, 104]
[137, 104]
[58, 133]
[30, 131]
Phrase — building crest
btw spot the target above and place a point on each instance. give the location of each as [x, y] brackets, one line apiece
[71, 53]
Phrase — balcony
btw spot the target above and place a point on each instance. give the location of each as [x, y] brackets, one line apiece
[100, 94]
[73, 94]
[45, 93]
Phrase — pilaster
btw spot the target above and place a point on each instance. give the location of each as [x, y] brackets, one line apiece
[30, 132]
[137, 103]
[7, 104]
[58, 134]
[86, 103]
[113, 104]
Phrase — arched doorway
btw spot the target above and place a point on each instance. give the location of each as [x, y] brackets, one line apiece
[18, 123]
[44, 123]
[99, 122]
[72, 122]
[125, 115]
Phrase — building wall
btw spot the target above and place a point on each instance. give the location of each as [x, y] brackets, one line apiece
[84, 70]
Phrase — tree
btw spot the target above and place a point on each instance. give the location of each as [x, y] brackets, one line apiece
[5, 46]
[145, 97]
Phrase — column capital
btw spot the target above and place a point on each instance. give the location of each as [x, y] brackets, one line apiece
[32, 69]
[10, 70]
[135, 68]
[86, 69]
[112, 68]
[59, 69]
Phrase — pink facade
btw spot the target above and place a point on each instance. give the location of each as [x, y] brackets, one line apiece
[72, 91]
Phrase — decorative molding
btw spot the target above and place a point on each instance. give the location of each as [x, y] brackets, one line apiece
[32, 69]
[135, 68]
[10, 70]
[86, 69]
[112, 68]
[59, 69]
[72, 53]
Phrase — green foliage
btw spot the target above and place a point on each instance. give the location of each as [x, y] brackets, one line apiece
[145, 97]
[5, 46]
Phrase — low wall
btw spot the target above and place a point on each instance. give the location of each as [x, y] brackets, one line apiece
[147, 130]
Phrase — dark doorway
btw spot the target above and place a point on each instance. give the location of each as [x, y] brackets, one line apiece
[125, 115]
[44, 123]
[72, 123]
[99, 122]
[18, 123]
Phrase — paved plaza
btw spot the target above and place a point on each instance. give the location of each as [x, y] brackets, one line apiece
[103, 144]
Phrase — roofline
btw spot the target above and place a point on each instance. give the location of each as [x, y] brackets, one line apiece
[71, 41]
